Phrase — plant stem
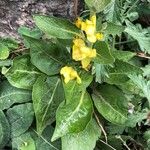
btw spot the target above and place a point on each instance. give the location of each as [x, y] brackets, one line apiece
[100, 125]
[113, 42]
[124, 143]
[108, 145]
[132, 6]
[19, 50]
[142, 55]
[124, 42]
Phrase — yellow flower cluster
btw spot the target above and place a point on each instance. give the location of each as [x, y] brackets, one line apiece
[69, 74]
[89, 26]
[81, 52]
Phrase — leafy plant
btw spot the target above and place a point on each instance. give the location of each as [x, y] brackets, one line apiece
[80, 85]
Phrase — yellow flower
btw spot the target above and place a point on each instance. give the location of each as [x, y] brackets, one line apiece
[76, 50]
[69, 74]
[80, 52]
[78, 23]
[86, 61]
[89, 26]
[99, 36]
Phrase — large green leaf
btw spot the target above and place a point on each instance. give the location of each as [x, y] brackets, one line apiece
[82, 140]
[74, 116]
[117, 78]
[47, 95]
[125, 68]
[22, 74]
[10, 95]
[123, 55]
[43, 141]
[104, 55]
[4, 130]
[20, 118]
[97, 5]
[72, 88]
[23, 142]
[111, 104]
[4, 52]
[56, 27]
[47, 57]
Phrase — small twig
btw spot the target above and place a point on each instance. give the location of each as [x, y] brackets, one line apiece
[124, 143]
[10, 25]
[76, 8]
[108, 145]
[19, 50]
[105, 134]
[142, 55]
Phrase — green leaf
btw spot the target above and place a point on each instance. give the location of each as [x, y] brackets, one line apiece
[74, 116]
[82, 140]
[114, 29]
[47, 95]
[117, 78]
[56, 27]
[143, 84]
[135, 118]
[123, 55]
[147, 138]
[20, 118]
[141, 35]
[4, 130]
[97, 5]
[130, 87]
[10, 95]
[101, 72]
[104, 55]
[7, 62]
[113, 129]
[23, 142]
[34, 33]
[47, 57]
[125, 68]
[4, 52]
[22, 74]
[146, 70]
[112, 12]
[43, 141]
[72, 88]
[27, 32]
[111, 104]
[10, 43]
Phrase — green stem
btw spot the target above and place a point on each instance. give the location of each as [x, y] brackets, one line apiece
[124, 42]
[132, 6]
[113, 42]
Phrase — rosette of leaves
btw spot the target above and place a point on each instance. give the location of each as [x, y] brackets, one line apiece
[38, 111]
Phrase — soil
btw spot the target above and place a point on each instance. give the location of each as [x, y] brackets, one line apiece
[15, 13]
